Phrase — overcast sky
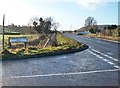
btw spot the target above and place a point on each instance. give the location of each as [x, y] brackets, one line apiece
[71, 14]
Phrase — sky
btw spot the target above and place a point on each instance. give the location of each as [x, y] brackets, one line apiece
[71, 14]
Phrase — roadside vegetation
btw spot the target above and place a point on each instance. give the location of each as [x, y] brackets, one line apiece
[64, 45]
[65, 41]
[109, 32]
[114, 38]
[43, 39]
[28, 36]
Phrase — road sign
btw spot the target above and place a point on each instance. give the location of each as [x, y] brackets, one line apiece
[17, 40]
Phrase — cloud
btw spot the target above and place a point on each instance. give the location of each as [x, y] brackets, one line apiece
[89, 4]
[92, 4]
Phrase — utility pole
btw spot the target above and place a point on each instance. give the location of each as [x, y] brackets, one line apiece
[3, 32]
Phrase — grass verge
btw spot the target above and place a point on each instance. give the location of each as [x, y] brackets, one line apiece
[113, 38]
[65, 45]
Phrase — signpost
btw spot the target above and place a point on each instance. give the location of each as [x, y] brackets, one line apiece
[17, 40]
[3, 32]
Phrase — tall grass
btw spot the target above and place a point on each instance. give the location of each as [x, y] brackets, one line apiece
[103, 37]
[62, 41]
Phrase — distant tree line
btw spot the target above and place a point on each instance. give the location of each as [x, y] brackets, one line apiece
[20, 29]
[110, 30]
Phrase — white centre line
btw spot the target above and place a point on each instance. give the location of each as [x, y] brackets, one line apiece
[111, 63]
[61, 74]
[105, 60]
[95, 54]
[102, 42]
[105, 55]
[117, 66]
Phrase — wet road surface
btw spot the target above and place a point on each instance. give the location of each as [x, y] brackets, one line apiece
[96, 66]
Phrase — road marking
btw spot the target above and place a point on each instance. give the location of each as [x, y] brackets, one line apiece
[90, 46]
[110, 57]
[103, 42]
[63, 57]
[109, 53]
[95, 54]
[111, 63]
[61, 74]
[117, 66]
[105, 55]
[105, 60]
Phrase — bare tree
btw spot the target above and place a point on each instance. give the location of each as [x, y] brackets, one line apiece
[48, 24]
[32, 20]
[55, 26]
[90, 21]
[91, 24]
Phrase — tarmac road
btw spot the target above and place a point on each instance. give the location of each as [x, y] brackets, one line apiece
[96, 66]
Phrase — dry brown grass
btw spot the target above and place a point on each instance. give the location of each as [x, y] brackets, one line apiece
[103, 37]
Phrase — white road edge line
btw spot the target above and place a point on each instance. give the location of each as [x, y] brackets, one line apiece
[61, 74]
[95, 54]
[105, 55]
[103, 42]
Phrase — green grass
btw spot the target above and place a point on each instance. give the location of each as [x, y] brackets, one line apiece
[65, 41]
